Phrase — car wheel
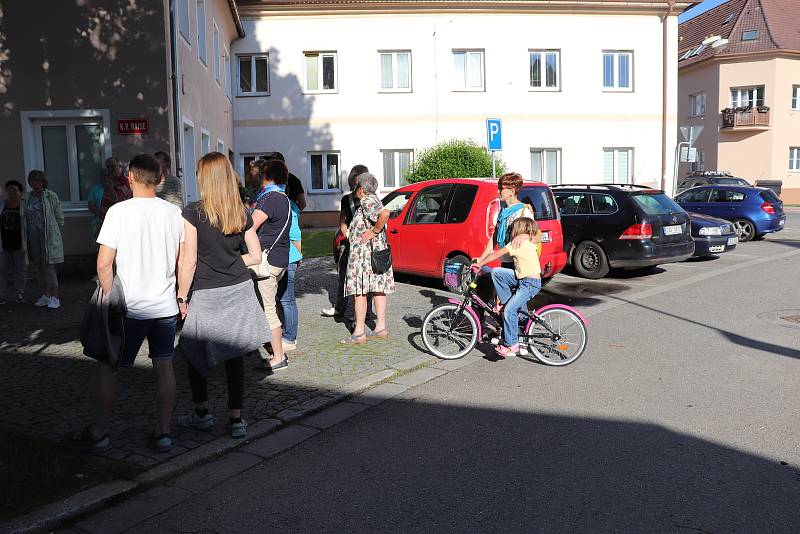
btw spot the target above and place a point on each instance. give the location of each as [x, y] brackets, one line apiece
[744, 229]
[590, 261]
[466, 261]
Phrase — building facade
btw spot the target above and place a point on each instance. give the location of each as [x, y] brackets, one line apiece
[586, 91]
[739, 78]
[94, 79]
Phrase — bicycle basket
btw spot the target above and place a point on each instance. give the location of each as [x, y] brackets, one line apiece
[454, 273]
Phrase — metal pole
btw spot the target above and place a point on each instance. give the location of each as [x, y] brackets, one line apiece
[494, 166]
[674, 185]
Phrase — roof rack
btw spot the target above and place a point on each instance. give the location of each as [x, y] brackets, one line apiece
[607, 186]
[710, 173]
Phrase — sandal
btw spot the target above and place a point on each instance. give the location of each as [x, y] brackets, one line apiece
[380, 334]
[505, 352]
[354, 340]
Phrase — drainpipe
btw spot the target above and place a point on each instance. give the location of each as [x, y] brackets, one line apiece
[176, 102]
[664, 93]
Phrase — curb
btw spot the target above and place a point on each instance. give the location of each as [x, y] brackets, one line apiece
[312, 414]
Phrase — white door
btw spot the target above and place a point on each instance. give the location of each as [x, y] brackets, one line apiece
[189, 164]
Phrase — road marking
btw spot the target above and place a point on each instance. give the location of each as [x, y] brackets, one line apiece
[616, 303]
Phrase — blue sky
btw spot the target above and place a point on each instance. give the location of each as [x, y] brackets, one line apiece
[705, 6]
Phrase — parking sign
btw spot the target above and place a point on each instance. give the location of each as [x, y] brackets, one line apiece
[494, 134]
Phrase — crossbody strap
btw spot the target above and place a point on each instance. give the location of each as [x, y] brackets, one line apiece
[288, 218]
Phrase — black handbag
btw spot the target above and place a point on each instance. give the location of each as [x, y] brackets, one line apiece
[381, 259]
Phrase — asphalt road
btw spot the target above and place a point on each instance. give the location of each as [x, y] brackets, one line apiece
[681, 417]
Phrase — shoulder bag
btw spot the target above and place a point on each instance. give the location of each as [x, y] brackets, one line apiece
[262, 270]
[381, 259]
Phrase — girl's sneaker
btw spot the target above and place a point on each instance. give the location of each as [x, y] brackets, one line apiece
[505, 352]
[203, 422]
[238, 428]
[43, 301]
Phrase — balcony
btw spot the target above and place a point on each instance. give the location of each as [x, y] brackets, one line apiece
[746, 120]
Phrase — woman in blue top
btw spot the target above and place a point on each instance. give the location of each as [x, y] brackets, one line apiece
[286, 295]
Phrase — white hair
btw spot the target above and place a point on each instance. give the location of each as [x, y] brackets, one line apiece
[367, 182]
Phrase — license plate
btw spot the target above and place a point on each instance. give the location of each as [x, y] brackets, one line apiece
[718, 248]
[673, 230]
[781, 222]
[733, 240]
[546, 237]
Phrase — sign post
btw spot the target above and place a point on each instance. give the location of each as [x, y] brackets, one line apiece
[685, 151]
[494, 140]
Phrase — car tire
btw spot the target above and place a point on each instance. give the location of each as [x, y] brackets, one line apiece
[744, 229]
[466, 261]
[758, 237]
[590, 261]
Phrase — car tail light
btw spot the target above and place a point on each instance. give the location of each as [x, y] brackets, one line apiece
[638, 231]
[768, 208]
[492, 211]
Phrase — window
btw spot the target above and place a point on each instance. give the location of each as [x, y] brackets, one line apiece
[545, 70]
[617, 71]
[747, 96]
[220, 146]
[540, 199]
[228, 77]
[603, 204]
[395, 202]
[700, 195]
[72, 152]
[205, 143]
[320, 72]
[395, 71]
[617, 165]
[700, 162]
[189, 162]
[183, 20]
[730, 18]
[217, 54]
[468, 70]
[749, 35]
[796, 97]
[697, 105]
[572, 203]
[201, 31]
[461, 203]
[726, 195]
[655, 204]
[794, 158]
[323, 167]
[396, 164]
[428, 205]
[253, 75]
[546, 165]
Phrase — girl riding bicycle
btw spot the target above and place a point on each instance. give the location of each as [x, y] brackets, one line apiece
[515, 287]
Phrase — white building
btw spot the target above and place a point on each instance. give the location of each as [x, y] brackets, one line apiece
[586, 90]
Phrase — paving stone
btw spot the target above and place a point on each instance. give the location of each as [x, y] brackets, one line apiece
[452, 365]
[280, 441]
[414, 363]
[334, 415]
[378, 394]
[419, 376]
[134, 510]
[209, 475]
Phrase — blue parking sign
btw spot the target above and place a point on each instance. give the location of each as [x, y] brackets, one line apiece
[494, 134]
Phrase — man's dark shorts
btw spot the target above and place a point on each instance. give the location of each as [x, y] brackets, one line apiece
[160, 335]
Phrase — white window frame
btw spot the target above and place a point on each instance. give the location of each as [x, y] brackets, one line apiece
[615, 88]
[202, 38]
[220, 146]
[614, 170]
[228, 74]
[395, 152]
[693, 111]
[252, 57]
[394, 88]
[755, 35]
[325, 188]
[320, 75]
[543, 170]
[461, 85]
[205, 134]
[795, 98]
[543, 70]
[184, 26]
[30, 145]
[191, 191]
[216, 47]
[700, 161]
[794, 158]
[736, 101]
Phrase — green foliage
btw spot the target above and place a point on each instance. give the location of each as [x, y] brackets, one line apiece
[458, 158]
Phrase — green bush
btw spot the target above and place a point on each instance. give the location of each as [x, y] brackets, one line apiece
[458, 158]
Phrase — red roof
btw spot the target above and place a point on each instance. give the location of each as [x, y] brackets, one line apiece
[767, 24]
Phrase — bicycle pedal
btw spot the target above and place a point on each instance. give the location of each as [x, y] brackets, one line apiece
[495, 341]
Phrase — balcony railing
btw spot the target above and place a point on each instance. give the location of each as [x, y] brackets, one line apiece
[750, 119]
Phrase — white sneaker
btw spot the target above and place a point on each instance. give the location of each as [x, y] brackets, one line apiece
[328, 312]
[43, 301]
[288, 346]
[54, 303]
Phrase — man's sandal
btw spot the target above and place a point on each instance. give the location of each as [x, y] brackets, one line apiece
[354, 340]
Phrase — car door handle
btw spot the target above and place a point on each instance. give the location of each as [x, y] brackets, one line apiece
[394, 231]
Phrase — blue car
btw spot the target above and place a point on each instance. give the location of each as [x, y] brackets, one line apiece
[754, 211]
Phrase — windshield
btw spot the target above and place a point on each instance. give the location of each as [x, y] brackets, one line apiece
[656, 204]
[395, 202]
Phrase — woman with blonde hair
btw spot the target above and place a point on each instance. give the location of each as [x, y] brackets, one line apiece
[224, 320]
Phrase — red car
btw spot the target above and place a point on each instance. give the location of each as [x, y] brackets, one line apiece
[437, 220]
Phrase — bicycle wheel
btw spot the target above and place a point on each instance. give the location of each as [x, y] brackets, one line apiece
[449, 333]
[571, 340]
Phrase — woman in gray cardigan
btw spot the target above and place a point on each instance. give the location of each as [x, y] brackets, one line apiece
[41, 236]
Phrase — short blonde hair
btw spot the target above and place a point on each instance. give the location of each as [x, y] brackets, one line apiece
[524, 225]
[219, 193]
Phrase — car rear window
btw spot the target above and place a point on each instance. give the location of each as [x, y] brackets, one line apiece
[542, 201]
[768, 195]
[655, 204]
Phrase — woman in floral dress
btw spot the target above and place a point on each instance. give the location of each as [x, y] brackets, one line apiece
[367, 233]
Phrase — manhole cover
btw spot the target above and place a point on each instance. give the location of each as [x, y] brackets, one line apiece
[787, 318]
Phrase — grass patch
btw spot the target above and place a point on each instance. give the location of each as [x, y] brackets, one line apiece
[317, 243]
[36, 472]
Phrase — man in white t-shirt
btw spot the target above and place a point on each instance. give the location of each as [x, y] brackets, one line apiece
[144, 237]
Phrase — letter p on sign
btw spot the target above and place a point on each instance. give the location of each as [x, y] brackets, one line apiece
[494, 134]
